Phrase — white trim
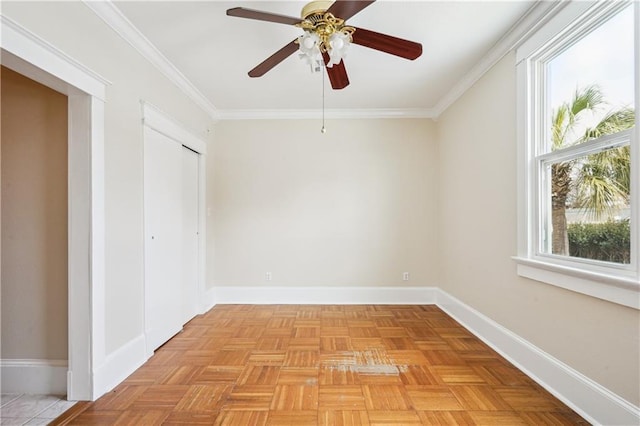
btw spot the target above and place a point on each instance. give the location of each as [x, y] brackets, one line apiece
[530, 22]
[616, 289]
[161, 122]
[208, 301]
[32, 56]
[557, 25]
[592, 401]
[113, 17]
[202, 232]
[325, 295]
[34, 376]
[42, 55]
[97, 253]
[120, 364]
[616, 283]
[332, 114]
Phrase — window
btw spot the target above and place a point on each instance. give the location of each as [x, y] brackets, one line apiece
[578, 151]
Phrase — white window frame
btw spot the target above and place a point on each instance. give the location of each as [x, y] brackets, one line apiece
[613, 282]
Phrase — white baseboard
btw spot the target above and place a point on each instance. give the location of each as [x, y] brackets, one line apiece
[325, 295]
[119, 365]
[592, 401]
[208, 300]
[34, 376]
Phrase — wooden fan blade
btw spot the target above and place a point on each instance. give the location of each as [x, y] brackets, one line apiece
[259, 15]
[337, 73]
[274, 60]
[388, 44]
[345, 9]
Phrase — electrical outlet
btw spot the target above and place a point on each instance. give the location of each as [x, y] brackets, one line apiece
[267, 276]
[405, 276]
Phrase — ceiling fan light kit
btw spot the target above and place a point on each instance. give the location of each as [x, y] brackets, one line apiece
[323, 32]
[327, 38]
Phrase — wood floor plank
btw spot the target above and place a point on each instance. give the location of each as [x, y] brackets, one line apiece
[298, 376]
[263, 357]
[235, 418]
[159, 397]
[219, 374]
[496, 418]
[433, 398]
[332, 375]
[386, 397]
[335, 343]
[204, 398]
[273, 343]
[325, 365]
[191, 418]
[343, 418]
[295, 398]
[523, 398]
[146, 417]
[446, 418]
[552, 418]
[182, 375]
[482, 397]
[91, 416]
[293, 418]
[303, 358]
[341, 398]
[457, 375]
[397, 418]
[249, 398]
[120, 398]
[418, 375]
[259, 375]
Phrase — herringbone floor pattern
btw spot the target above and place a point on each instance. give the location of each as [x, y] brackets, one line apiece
[325, 365]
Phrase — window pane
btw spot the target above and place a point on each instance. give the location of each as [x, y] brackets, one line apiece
[588, 210]
[590, 85]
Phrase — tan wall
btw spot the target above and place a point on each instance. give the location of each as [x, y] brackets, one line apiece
[34, 219]
[477, 140]
[353, 207]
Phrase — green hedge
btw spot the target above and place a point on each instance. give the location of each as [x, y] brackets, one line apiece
[608, 241]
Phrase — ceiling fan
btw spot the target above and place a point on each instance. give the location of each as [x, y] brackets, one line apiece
[326, 37]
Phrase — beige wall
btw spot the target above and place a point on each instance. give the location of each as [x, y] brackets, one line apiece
[34, 219]
[477, 140]
[73, 28]
[353, 207]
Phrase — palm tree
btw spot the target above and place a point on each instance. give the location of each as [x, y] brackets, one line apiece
[597, 183]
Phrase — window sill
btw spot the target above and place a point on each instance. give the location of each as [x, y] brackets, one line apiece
[621, 290]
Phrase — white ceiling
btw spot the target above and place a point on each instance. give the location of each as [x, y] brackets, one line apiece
[215, 52]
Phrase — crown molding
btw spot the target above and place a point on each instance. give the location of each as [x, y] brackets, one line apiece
[334, 114]
[110, 14]
[535, 17]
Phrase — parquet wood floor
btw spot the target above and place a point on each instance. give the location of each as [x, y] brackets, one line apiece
[325, 365]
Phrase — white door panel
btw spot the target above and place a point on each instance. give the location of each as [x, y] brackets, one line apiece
[163, 238]
[190, 191]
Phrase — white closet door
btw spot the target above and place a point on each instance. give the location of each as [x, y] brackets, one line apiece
[163, 237]
[190, 231]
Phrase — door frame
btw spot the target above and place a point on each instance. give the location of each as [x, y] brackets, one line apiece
[157, 120]
[26, 53]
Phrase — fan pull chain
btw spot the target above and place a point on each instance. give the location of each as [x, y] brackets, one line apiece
[323, 130]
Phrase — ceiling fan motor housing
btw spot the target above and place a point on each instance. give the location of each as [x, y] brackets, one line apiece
[318, 7]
